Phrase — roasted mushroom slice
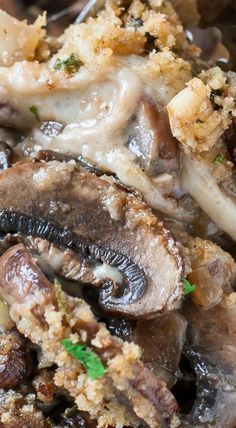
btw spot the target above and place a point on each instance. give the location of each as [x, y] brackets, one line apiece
[151, 140]
[15, 361]
[46, 318]
[216, 393]
[105, 224]
[162, 341]
[211, 351]
[6, 155]
[229, 138]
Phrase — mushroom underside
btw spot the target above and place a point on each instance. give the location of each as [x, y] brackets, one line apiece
[105, 224]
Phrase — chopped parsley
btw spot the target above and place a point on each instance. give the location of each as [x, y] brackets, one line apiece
[218, 159]
[188, 287]
[70, 65]
[153, 162]
[35, 112]
[88, 359]
[60, 300]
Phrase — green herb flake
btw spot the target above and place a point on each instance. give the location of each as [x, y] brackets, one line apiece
[218, 159]
[188, 287]
[58, 64]
[200, 121]
[153, 162]
[88, 359]
[70, 65]
[35, 112]
[60, 300]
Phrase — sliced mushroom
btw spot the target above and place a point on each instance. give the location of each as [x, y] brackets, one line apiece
[105, 224]
[212, 351]
[73, 418]
[50, 155]
[151, 140]
[35, 317]
[215, 397]
[204, 188]
[6, 322]
[15, 361]
[162, 341]
[64, 262]
[229, 138]
[6, 155]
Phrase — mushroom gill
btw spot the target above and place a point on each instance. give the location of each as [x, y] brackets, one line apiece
[105, 224]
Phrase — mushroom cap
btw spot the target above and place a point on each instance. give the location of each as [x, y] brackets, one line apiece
[111, 225]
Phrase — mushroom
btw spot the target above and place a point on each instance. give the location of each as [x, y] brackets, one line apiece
[216, 393]
[229, 138]
[50, 155]
[105, 224]
[151, 140]
[35, 305]
[211, 351]
[73, 418]
[15, 361]
[205, 189]
[6, 155]
[162, 341]
[88, 114]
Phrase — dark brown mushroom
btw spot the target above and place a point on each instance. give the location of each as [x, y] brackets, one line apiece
[162, 341]
[6, 155]
[27, 280]
[151, 140]
[229, 138]
[73, 418]
[141, 383]
[12, 118]
[102, 222]
[211, 351]
[216, 392]
[15, 361]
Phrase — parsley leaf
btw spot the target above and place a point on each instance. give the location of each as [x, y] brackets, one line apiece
[153, 162]
[218, 159]
[188, 287]
[89, 359]
[35, 112]
[70, 65]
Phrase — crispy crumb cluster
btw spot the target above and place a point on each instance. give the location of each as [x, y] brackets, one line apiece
[200, 113]
[119, 29]
[98, 397]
